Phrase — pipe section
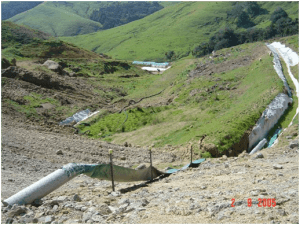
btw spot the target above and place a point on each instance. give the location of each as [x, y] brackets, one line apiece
[258, 147]
[48, 184]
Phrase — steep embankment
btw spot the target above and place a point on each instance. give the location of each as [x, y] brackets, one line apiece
[218, 97]
[179, 28]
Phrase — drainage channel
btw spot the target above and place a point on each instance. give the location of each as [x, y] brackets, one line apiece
[281, 102]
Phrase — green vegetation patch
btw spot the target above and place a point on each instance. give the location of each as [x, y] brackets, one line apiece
[224, 115]
[178, 28]
[35, 100]
[56, 21]
[127, 121]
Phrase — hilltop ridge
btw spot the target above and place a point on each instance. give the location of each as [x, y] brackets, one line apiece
[178, 29]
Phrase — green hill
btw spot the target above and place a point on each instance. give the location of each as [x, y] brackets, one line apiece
[12, 8]
[22, 42]
[16, 35]
[218, 97]
[72, 18]
[179, 28]
[55, 21]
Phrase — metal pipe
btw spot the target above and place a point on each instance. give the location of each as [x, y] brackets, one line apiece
[259, 146]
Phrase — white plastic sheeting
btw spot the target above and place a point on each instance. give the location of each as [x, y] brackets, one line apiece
[278, 68]
[155, 69]
[77, 117]
[269, 118]
[277, 107]
[90, 115]
[290, 58]
[154, 64]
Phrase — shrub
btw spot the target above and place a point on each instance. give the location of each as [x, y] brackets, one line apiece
[206, 155]
[169, 55]
[278, 14]
[244, 20]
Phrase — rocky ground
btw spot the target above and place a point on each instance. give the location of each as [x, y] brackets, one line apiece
[196, 195]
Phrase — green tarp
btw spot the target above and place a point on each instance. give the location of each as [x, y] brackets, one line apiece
[121, 174]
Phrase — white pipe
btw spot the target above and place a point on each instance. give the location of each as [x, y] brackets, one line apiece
[259, 146]
[48, 184]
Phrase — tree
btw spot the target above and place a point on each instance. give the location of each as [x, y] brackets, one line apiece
[244, 20]
[278, 14]
[170, 54]
[203, 49]
[253, 9]
[224, 43]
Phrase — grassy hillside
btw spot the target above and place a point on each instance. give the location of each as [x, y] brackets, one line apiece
[69, 18]
[177, 28]
[220, 97]
[12, 8]
[56, 21]
[25, 43]
[15, 35]
[222, 105]
[46, 95]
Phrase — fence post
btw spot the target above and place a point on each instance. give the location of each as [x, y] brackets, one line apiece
[151, 163]
[111, 169]
[191, 154]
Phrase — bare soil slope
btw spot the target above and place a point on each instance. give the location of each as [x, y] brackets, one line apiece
[199, 195]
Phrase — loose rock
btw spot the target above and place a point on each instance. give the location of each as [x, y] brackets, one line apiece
[276, 167]
[294, 144]
[76, 198]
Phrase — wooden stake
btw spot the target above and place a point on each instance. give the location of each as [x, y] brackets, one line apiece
[191, 154]
[111, 169]
[151, 163]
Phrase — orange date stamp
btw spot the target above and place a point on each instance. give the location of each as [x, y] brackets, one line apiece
[262, 202]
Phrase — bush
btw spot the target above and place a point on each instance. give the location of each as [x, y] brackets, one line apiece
[253, 9]
[224, 43]
[278, 14]
[170, 55]
[244, 20]
[206, 155]
[202, 49]
[225, 38]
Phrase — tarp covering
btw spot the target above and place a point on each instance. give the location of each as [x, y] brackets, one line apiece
[155, 64]
[121, 174]
[278, 69]
[155, 69]
[77, 117]
[101, 171]
[195, 163]
[272, 140]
